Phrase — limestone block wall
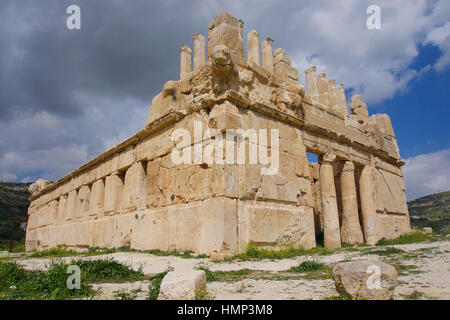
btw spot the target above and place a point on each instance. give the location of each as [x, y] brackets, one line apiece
[136, 195]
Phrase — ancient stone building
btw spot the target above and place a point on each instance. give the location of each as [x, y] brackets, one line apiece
[136, 195]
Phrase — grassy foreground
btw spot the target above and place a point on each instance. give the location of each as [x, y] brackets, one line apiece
[17, 283]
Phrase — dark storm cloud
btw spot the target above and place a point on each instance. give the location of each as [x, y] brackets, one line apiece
[121, 50]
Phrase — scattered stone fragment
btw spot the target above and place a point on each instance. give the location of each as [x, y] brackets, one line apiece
[365, 279]
[183, 285]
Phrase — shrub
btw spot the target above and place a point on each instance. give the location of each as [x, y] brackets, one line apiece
[155, 284]
[10, 274]
[105, 269]
[307, 266]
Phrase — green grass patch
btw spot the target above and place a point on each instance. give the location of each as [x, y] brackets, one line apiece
[412, 237]
[63, 252]
[38, 285]
[253, 252]
[234, 275]
[385, 252]
[186, 254]
[312, 273]
[53, 253]
[107, 270]
[307, 266]
[155, 284]
[338, 297]
[18, 284]
[123, 295]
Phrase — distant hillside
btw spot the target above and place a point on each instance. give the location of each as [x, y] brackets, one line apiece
[13, 210]
[431, 211]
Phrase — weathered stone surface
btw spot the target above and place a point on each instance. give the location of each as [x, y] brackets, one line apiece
[311, 82]
[38, 186]
[331, 230]
[368, 205]
[226, 30]
[185, 61]
[351, 229]
[358, 107]
[322, 86]
[267, 55]
[253, 47]
[151, 230]
[199, 50]
[359, 279]
[183, 285]
[277, 225]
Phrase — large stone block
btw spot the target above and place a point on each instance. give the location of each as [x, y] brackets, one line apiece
[275, 225]
[207, 226]
[85, 236]
[97, 199]
[390, 193]
[103, 231]
[150, 230]
[134, 190]
[113, 192]
[183, 284]
[392, 226]
[354, 279]
[122, 230]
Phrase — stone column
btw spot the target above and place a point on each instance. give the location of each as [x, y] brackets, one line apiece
[199, 50]
[368, 205]
[332, 94]
[341, 100]
[252, 47]
[311, 83]
[267, 54]
[134, 189]
[54, 211]
[71, 204]
[351, 229]
[113, 193]
[62, 209]
[228, 31]
[331, 230]
[98, 196]
[185, 61]
[322, 85]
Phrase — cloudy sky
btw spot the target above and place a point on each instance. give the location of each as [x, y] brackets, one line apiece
[67, 95]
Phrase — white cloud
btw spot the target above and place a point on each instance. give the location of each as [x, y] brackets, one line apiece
[426, 174]
[333, 36]
[47, 146]
[440, 37]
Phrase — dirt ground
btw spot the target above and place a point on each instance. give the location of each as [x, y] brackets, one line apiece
[425, 273]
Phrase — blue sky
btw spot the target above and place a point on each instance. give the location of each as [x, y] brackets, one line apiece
[68, 95]
[421, 115]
